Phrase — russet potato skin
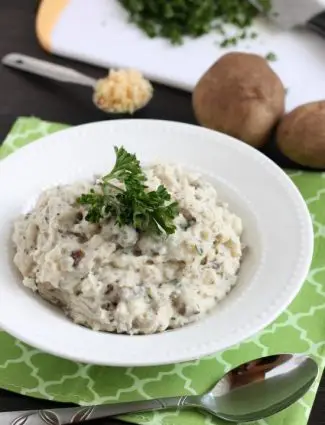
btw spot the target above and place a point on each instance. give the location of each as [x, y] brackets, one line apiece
[301, 135]
[240, 95]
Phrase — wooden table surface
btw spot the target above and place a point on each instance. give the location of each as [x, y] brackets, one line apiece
[25, 95]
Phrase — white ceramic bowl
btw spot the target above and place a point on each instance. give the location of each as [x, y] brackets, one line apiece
[278, 232]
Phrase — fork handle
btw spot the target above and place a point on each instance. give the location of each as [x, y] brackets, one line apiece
[71, 415]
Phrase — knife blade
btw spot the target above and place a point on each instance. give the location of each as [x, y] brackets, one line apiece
[288, 14]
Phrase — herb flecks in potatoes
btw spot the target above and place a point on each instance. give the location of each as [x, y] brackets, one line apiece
[301, 135]
[242, 96]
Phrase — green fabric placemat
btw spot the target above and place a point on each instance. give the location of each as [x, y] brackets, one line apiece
[300, 329]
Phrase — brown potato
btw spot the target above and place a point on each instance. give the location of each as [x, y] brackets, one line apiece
[240, 95]
[301, 135]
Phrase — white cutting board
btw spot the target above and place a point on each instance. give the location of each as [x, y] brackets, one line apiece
[98, 32]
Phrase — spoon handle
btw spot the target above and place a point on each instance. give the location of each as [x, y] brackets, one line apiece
[71, 415]
[47, 69]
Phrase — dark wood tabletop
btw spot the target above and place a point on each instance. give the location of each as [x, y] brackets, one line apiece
[26, 95]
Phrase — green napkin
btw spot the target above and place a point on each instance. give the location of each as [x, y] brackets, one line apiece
[301, 328]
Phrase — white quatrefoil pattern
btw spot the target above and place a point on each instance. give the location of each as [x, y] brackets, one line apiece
[300, 329]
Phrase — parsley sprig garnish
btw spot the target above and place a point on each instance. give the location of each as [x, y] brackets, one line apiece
[130, 202]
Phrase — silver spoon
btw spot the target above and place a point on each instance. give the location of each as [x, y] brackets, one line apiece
[250, 392]
[68, 75]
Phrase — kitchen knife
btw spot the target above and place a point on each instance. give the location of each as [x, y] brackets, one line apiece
[288, 14]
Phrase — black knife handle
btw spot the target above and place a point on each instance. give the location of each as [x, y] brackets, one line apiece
[317, 24]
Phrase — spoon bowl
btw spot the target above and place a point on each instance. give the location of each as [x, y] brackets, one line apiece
[252, 391]
[261, 388]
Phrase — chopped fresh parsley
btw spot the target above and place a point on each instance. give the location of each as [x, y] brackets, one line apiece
[123, 196]
[176, 19]
[227, 42]
[271, 57]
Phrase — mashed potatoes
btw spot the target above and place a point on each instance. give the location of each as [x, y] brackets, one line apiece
[116, 279]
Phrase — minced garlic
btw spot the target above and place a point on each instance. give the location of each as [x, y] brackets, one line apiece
[124, 90]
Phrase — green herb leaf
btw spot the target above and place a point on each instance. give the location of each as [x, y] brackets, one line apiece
[126, 165]
[271, 57]
[130, 203]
